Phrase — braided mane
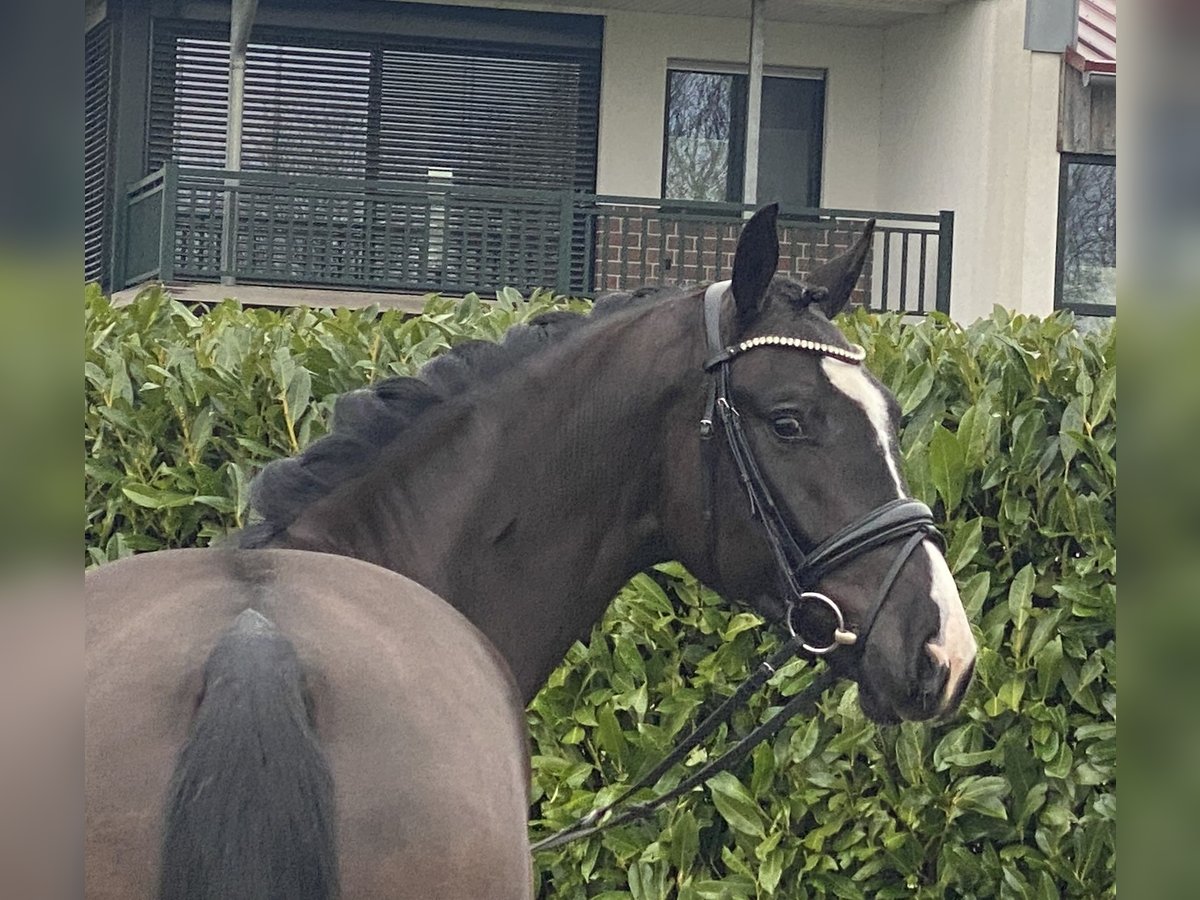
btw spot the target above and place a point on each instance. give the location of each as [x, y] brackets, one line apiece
[367, 420]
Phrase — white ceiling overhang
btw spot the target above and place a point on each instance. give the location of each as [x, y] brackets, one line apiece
[872, 13]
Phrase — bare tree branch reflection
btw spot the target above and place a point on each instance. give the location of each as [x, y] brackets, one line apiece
[699, 115]
[1090, 234]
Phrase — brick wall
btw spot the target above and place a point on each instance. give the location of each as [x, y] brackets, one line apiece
[635, 246]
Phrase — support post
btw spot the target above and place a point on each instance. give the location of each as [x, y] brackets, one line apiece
[754, 102]
[945, 256]
[130, 91]
[166, 224]
[566, 222]
[240, 22]
[120, 250]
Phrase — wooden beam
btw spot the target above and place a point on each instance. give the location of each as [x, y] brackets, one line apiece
[1087, 117]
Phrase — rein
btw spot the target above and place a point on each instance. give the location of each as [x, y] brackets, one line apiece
[799, 572]
[590, 824]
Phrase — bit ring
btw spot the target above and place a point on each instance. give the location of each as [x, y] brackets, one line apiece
[842, 636]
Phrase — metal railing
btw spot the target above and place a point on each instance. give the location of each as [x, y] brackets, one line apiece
[416, 237]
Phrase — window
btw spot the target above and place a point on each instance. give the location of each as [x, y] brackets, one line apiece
[381, 106]
[706, 119]
[1087, 235]
[705, 135]
[511, 106]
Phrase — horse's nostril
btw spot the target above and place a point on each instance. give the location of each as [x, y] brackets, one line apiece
[937, 683]
[928, 665]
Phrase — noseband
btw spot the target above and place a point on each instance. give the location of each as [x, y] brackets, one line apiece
[799, 571]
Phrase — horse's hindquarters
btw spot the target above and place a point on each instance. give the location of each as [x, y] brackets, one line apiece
[425, 734]
[418, 717]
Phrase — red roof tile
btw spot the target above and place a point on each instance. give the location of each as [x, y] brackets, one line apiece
[1095, 48]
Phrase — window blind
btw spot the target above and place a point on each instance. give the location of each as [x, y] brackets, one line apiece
[97, 153]
[391, 107]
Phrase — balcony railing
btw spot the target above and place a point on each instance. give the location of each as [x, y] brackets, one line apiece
[185, 224]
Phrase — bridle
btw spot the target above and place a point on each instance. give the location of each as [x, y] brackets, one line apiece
[799, 571]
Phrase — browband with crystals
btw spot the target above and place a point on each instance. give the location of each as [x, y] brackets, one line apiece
[854, 354]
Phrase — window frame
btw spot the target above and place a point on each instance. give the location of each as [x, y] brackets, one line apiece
[1066, 159]
[737, 154]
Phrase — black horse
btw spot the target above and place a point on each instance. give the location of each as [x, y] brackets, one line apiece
[334, 705]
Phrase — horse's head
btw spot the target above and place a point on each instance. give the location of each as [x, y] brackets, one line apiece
[819, 433]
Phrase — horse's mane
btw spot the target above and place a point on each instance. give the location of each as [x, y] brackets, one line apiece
[367, 420]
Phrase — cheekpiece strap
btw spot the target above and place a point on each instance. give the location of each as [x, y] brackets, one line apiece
[713, 295]
[712, 330]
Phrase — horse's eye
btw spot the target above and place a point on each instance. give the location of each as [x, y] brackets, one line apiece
[787, 428]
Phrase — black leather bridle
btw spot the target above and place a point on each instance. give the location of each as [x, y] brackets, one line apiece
[799, 571]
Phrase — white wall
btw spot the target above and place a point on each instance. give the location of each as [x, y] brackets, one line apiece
[969, 123]
[945, 111]
[637, 47]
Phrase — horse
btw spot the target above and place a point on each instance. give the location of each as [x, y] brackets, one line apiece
[331, 704]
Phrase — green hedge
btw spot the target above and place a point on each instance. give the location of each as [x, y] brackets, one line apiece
[1010, 433]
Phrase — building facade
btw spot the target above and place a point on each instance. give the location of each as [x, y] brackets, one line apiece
[392, 146]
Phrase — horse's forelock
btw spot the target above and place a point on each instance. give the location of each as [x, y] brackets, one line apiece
[790, 298]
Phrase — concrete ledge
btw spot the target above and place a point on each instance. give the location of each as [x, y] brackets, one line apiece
[280, 297]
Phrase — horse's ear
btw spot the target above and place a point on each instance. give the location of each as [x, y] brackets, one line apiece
[755, 262]
[829, 286]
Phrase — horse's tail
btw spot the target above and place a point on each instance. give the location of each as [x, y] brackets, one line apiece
[250, 810]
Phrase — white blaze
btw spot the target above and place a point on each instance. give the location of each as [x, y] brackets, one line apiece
[852, 381]
[954, 646]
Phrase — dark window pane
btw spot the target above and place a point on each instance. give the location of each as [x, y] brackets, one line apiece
[706, 138]
[789, 143]
[1089, 251]
[702, 134]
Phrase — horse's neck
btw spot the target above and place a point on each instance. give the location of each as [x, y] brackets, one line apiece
[529, 507]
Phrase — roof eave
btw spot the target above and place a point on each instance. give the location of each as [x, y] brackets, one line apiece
[1090, 66]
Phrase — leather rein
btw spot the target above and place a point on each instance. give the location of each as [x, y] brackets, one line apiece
[799, 572]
